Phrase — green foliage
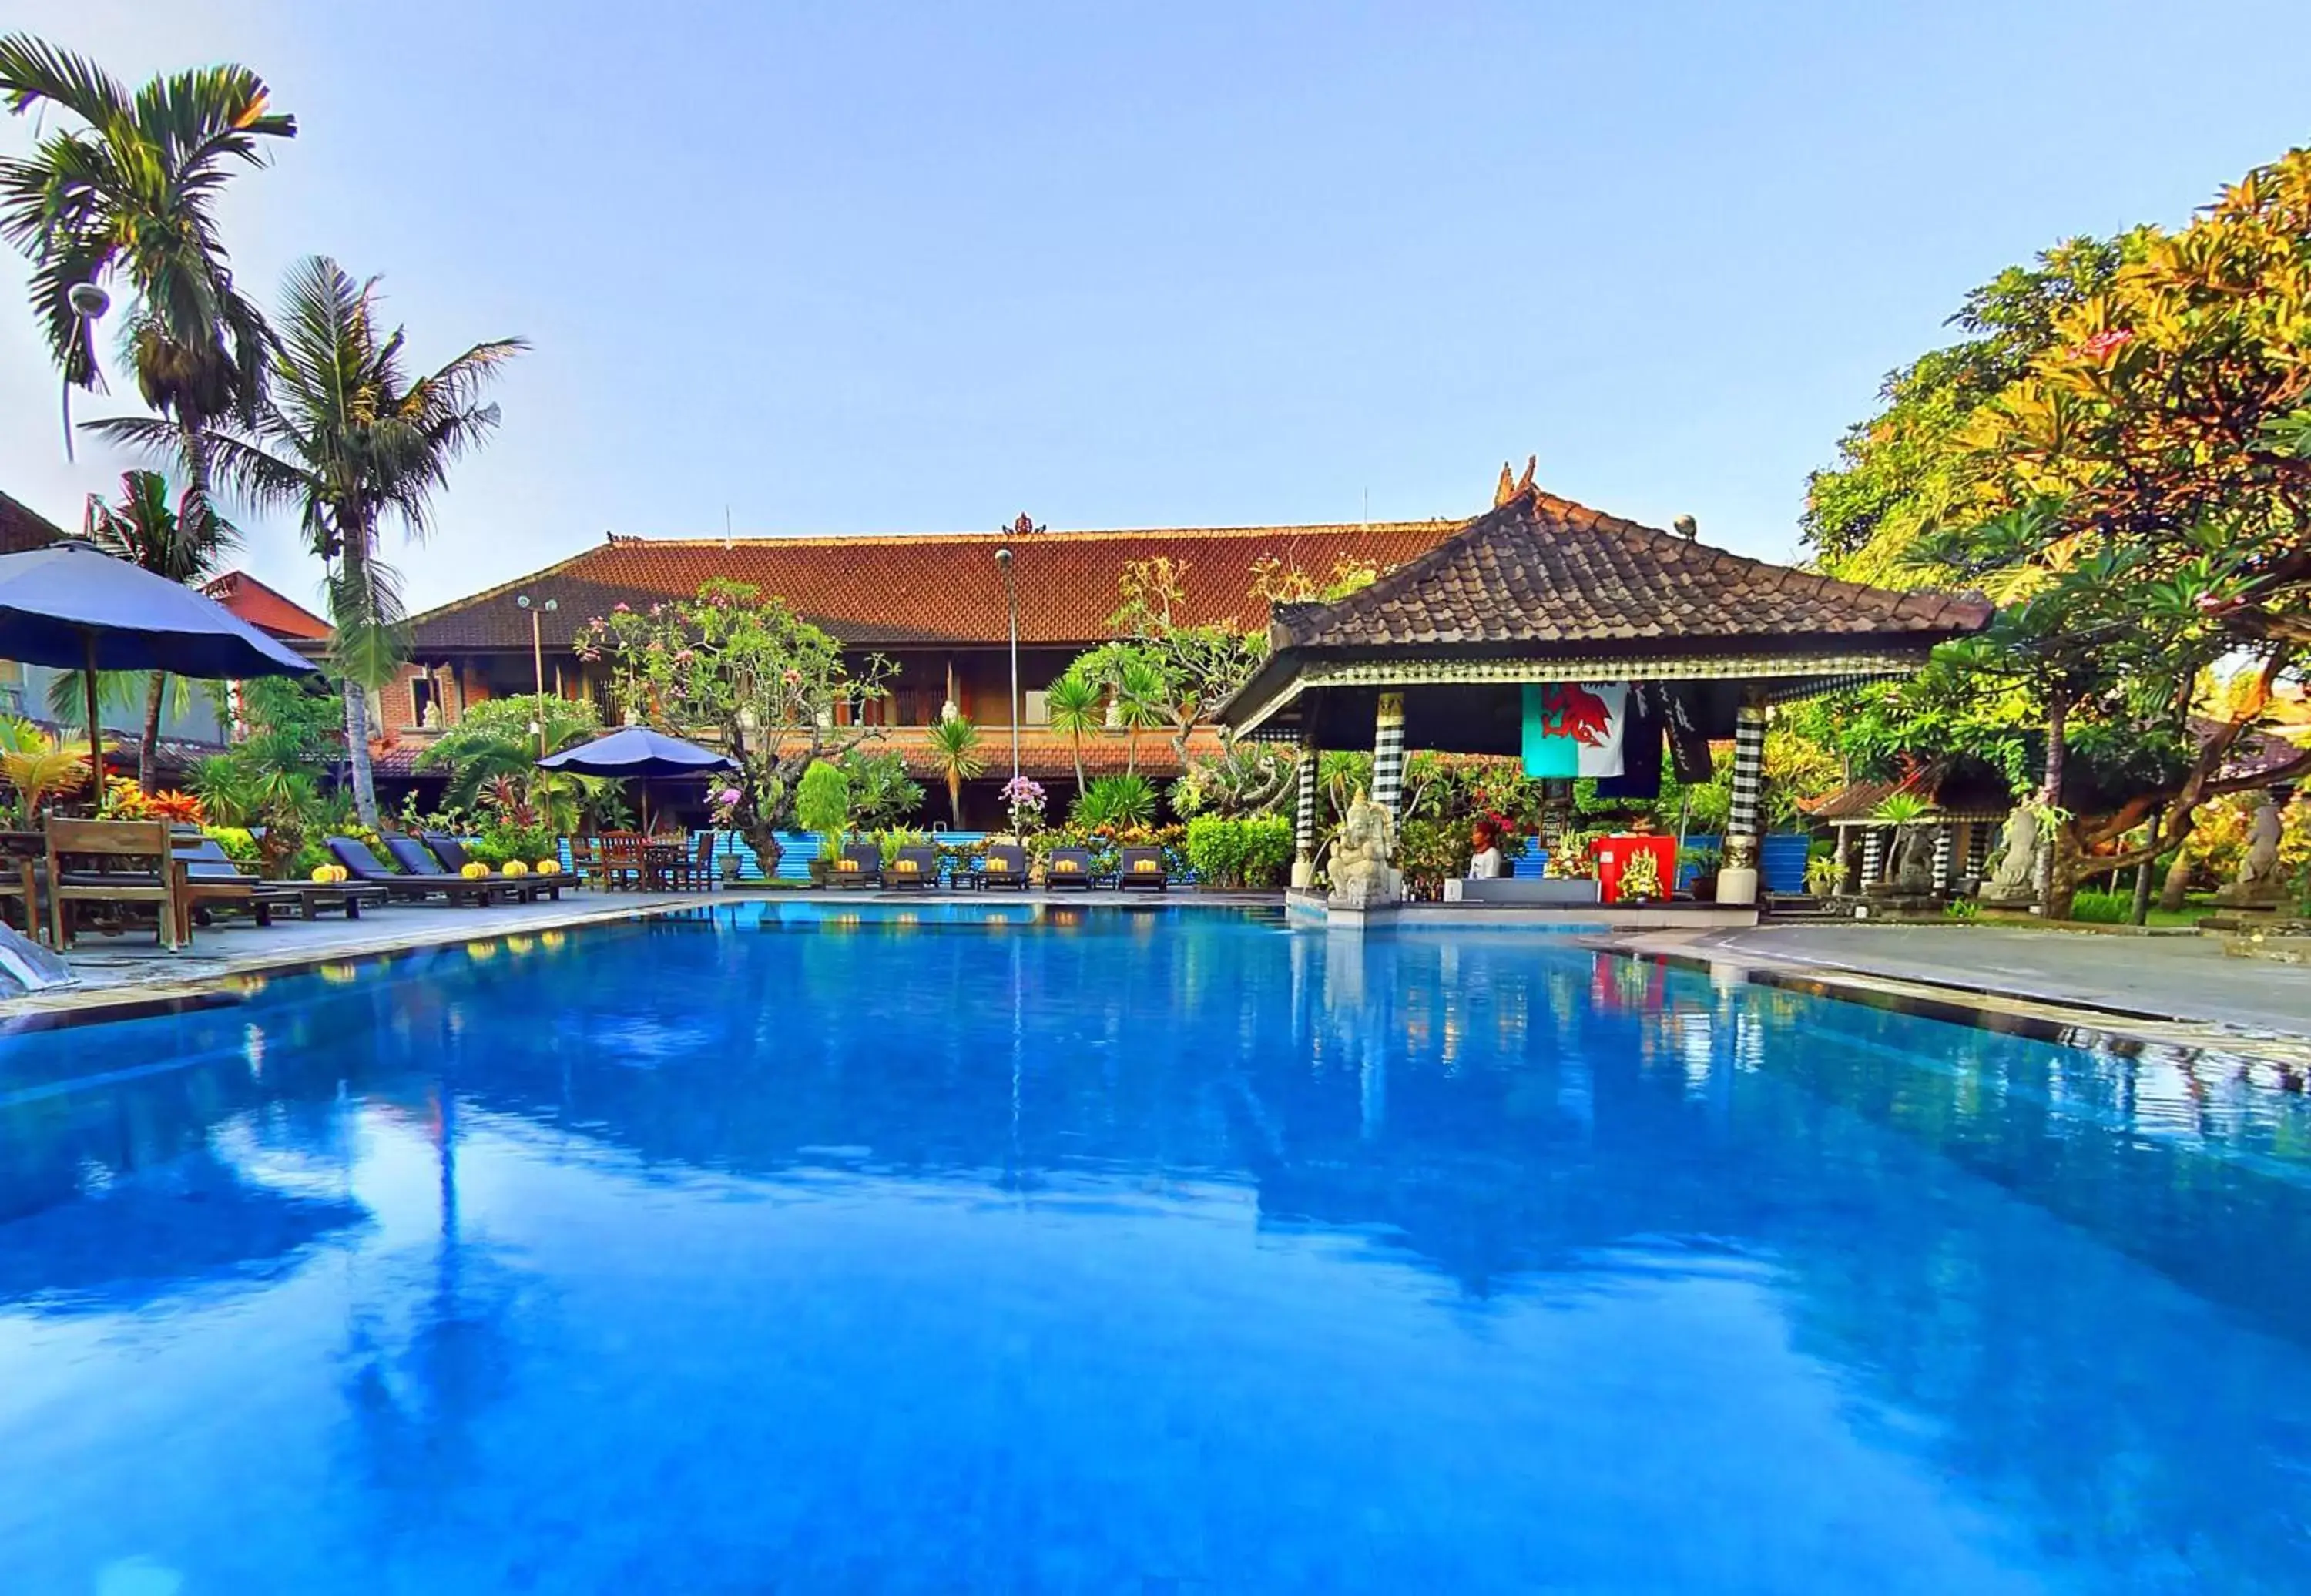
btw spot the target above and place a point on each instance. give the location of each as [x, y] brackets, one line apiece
[1900, 808]
[881, 793]
[1253, 853]
[742, 671]
[822, 804]
[1964, 910]
[954, 750]
[2103, 908]
[502, 840]
[1075, 704]
[239, 843]
[124, 185]
[1116, 801]
[1822, 874]
[492, 743]
[1431, 853]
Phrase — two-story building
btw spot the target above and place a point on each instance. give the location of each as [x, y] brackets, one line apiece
[936, 606]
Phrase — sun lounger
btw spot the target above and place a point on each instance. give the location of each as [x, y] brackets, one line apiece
[443, 854]
[917, 865]
[1142, 869]
[1069, 868]
[113, 861]
[367, 867]
[1005, 865]
[860, 864]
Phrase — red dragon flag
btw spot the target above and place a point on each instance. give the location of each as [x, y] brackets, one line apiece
[1574, 728]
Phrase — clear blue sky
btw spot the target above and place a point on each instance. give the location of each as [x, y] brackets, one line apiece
[853, 268]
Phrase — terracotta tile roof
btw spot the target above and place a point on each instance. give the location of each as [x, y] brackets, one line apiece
[264, 608]
[22, 528]
[921, 589]
[1543, 570]
[1965, 788]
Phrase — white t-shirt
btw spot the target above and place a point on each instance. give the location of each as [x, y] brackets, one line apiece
[1484, 866]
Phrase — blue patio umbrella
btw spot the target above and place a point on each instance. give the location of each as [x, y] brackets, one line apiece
[74, 606]
[637, 752]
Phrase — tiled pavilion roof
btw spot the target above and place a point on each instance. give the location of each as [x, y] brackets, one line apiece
[265, 608]
[1540, 570]
[1541, 584]
[921, 589]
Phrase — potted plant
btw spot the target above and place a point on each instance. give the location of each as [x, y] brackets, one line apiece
[1703, 862]
[823, 805]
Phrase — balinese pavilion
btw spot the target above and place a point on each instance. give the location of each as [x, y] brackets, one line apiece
[1586, 644]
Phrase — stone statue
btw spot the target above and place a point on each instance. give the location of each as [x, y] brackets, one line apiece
[1362, 875]
[1913, 860]
[432, 718]
[2259, 879]
[2014, 862]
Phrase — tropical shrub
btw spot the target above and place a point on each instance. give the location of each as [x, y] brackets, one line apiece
[33, 764]
[240, 844]
[1116, 801]
[1430, 854]
[1255, 853]
[881, 793]
[822, 805]
[502, 842]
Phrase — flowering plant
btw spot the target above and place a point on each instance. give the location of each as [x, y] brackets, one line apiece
[1025, 799]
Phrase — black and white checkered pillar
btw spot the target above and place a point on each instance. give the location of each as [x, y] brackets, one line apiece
[1979, 836]
[1388, 755]
[1304, 814]
[1944, 851]
[1736, 876]
[1873, 855]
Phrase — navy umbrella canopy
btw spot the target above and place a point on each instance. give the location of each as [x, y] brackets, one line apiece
[637, 751]
[73, 605]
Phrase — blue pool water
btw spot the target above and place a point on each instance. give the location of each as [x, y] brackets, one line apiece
[1167, 1252]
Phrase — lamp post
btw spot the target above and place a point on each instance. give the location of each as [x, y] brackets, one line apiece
[88, 303]
[537, 660]
[1011, 599]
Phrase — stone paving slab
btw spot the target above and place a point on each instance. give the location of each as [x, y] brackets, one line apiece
[2164, 978]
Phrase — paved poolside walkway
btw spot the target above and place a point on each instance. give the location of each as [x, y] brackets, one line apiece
[2179, 979]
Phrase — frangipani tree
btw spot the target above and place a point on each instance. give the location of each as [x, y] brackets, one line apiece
[733, 667]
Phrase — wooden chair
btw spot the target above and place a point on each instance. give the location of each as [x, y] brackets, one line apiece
[19, 877]
[585, 862]
[113, 861]
[622, 858]
[694, 871]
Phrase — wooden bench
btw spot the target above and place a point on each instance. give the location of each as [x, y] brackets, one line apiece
[114, 861]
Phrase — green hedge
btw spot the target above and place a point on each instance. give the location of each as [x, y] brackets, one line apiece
[1254, 852]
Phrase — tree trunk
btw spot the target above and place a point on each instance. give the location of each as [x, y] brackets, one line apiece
[2177, 886]
[2060, 885]
[1076, 739]
[954, 796]
[148, 757]
[357, 753]
[2140, 913]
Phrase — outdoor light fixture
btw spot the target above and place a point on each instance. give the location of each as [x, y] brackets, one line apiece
[537, 657]
[1011, 596]
[89, 303]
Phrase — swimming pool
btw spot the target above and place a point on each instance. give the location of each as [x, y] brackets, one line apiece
[1159, 1250]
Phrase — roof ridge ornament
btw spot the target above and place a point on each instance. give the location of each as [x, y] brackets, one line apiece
[1511, 487]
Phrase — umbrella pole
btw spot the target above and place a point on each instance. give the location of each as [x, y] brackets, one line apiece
[95, 737]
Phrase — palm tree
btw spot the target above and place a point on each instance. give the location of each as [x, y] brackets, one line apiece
[348, 437]
[1141, 705]
[954, 749]
[1072, 705]
[181, 543]
[133, 191]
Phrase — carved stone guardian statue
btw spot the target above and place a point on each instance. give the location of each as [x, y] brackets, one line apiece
[1363, 877]
[2014, 863]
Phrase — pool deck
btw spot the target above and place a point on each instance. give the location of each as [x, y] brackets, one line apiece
[2178, 990]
